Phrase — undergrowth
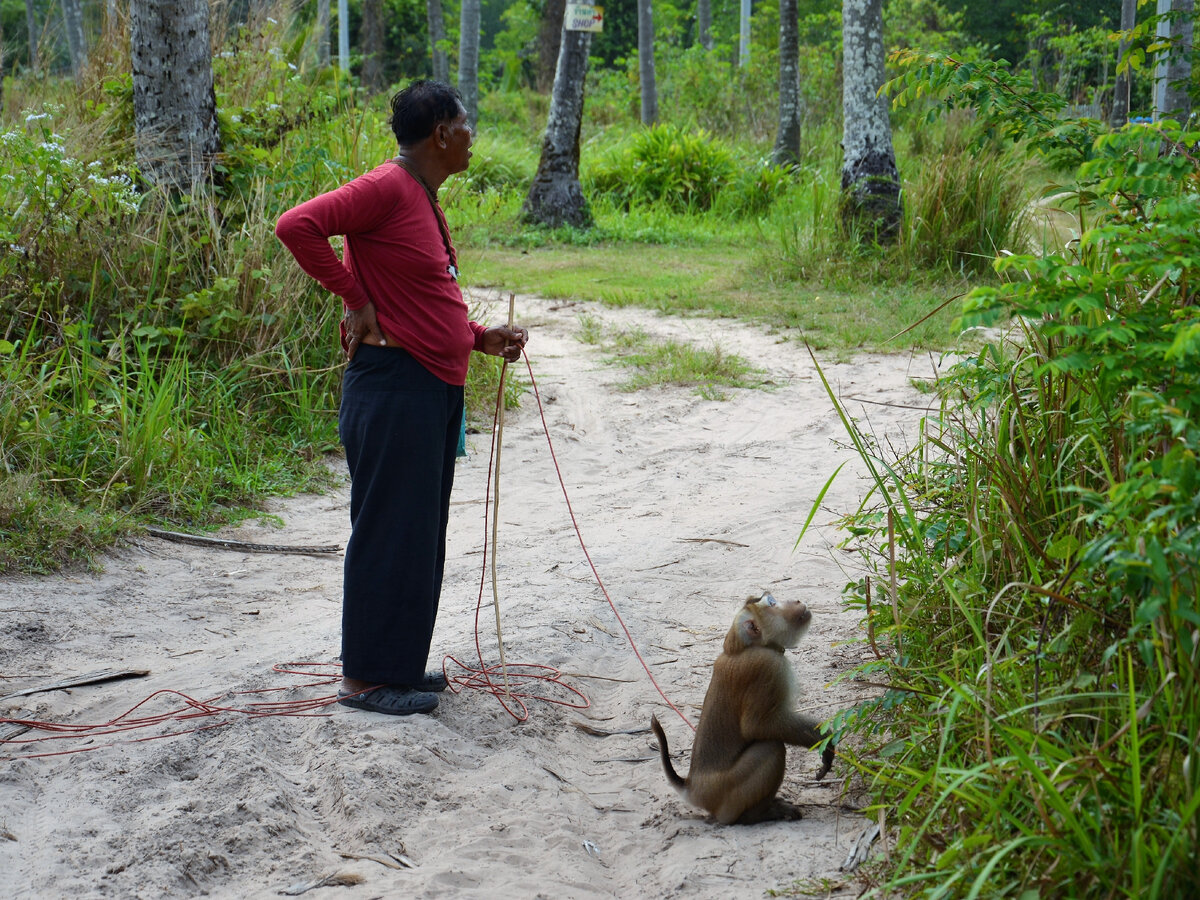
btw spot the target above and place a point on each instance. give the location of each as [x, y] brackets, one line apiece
[1032, 564]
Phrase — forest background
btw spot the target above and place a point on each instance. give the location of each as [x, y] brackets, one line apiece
[1029, 582]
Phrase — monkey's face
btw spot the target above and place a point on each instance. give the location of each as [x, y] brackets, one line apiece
[772, 623]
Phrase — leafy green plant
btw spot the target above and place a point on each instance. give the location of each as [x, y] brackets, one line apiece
[684, 171]
[1032, 565]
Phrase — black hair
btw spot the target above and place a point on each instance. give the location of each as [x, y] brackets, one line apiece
[420, 108]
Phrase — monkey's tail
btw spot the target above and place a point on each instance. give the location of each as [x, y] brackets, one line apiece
[672, 776]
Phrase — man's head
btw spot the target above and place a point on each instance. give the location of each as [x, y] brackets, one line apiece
[420, 108]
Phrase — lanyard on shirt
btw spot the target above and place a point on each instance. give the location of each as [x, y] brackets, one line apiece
[453, 267]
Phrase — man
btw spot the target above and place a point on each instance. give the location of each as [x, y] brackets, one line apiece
[407, 340]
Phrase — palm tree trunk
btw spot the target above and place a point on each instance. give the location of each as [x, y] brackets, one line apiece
[1120, 107]
[649, 86]
[370, 40]
[870, 182]
[35, 36]
[704, 23]
[437, 34]
[1174, 69]
[787, 138]
[322, 33]
[556, 196]
[468, 59]
[174, 106]
[76, 44]
[744, 33]
[343, 9]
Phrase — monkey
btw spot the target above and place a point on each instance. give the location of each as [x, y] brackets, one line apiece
[748, 716]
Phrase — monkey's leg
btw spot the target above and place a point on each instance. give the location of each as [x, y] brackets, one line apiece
[749, 784]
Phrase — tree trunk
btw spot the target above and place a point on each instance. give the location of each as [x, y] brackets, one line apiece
[870, 181]
[437, 34]
[704, 23]
[370, 40]
[35, 35]
[645, 19]
[112, 17]
[1120, 107]
[343, 9]
[468, 59]
[787, 138]
[174, 106]
[323, 27]
[556, 196]
[76, 45]
[1174, 69]
[744, 33]
[549, 41]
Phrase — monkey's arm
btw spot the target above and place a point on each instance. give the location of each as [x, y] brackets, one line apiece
[791, 727]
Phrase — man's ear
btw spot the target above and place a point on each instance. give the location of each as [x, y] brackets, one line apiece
[439, 132]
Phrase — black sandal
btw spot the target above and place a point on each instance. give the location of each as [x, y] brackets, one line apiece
[432, 681]
[390, 699]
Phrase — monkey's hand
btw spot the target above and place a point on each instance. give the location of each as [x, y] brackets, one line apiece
[826, 760]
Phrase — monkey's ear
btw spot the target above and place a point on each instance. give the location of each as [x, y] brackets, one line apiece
[751, 633]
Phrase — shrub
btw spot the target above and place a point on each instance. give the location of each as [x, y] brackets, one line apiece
[1040, 628]
[663, 164]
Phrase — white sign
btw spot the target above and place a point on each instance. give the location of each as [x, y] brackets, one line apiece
[584, 17]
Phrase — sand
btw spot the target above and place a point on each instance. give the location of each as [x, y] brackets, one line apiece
[685, 505]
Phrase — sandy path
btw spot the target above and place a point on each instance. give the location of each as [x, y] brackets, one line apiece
[686, 506]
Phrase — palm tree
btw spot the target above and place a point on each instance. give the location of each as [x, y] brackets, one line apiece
[174, 106]
[1120, 107]
[787, 138]
[437, 34]
[468, 59]
[34, 36]
[322, 33]
[1174, 69]
[343, 9]
[370, 39]
[549, 38]
[704, 23]
[870, 181]
[556, 196]
[76, 44]
[645, 20]
[744, 33]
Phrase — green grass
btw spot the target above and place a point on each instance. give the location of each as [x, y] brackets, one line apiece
[655, 361]
[726, 282]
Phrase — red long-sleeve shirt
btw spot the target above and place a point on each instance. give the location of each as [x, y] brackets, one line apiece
[394, 257]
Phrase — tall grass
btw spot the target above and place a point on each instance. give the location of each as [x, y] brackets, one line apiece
[1031, 581]
[963, 197]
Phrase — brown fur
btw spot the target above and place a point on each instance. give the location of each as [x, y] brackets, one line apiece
[748, 717]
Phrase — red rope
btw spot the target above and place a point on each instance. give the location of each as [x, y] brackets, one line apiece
[481, 677]
[191, 708]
